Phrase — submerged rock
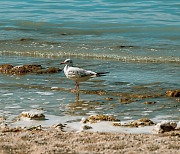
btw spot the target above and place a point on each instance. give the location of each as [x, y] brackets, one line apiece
[137, 123]
[49, 70]
[164, 126]
[32, 68]
[32, 115]
[126, 100]
[6, 68]
[99, 117]
[173, 93]
[24, 69]
[149, 103]
[19, 70]
[109, 98]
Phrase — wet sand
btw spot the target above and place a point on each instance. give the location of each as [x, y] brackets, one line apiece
[56, 141]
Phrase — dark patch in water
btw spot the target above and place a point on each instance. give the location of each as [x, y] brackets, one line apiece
[122, 46]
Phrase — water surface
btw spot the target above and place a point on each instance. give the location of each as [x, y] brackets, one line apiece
[137, 42]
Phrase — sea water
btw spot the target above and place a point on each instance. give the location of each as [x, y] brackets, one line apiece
[137, 42]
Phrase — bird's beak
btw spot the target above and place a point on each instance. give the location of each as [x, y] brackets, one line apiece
[62, 63]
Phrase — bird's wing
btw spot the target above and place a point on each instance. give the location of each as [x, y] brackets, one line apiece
[79, 72]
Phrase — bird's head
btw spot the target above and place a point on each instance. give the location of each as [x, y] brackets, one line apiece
[68, 62]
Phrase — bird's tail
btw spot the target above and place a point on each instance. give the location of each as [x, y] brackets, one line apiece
[101, 74]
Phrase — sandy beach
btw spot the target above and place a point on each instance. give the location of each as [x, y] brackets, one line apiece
[132, 104]
[20, 141]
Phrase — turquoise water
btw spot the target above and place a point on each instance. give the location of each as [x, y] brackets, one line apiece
[138, 42]
[123, 30]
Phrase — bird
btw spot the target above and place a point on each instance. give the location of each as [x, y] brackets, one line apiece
[78, 74]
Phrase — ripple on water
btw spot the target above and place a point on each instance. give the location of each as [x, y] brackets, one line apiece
[127, 118]
[45, 93]
[8, 94]
[13, 107]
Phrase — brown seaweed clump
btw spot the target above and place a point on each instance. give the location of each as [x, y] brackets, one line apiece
[100, 117]
[173, 93]
[137, 123]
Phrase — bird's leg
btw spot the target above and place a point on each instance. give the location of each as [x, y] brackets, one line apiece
[76, 88]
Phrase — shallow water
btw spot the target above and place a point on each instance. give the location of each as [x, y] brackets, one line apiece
[138, 43]
[52, 92]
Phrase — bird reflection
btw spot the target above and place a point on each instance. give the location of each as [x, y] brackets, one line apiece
[77, 96]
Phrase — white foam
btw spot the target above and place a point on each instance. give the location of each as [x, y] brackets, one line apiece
[8, 94]
[45, 93]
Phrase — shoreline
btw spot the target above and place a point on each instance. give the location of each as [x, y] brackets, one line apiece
[70, 137]
[75, 140]
[56, 141]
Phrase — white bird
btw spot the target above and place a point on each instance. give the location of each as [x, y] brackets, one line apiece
[78, 74]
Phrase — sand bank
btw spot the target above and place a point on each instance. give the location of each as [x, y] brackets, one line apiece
[55, 141]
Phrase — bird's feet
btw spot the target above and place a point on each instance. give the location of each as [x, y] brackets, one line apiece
[74, 90]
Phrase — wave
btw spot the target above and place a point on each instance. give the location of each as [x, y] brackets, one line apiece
[115, 57]
[86, 28]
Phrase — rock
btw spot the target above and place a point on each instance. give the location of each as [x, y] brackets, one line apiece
[149, 103]
[164, 126]
[6, 128]
[173, 93]
[24, 69]
[126, 100]
[86, 127]
[32, 68]
[122, 46]
[58, 126]
[99, 117]
[178, 99]
[32, 115]
[49, 70]
[6, 68]
[116, 124]
[23, 39]
[35, 128]
[141, 122]
[109, 98]
[19, 70]
[137, 123]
